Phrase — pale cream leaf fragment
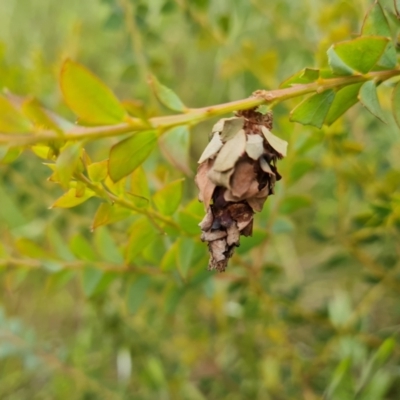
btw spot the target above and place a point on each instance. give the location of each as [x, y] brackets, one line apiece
[230, 152]
[278, 144]
[212, 148]
[254, 146]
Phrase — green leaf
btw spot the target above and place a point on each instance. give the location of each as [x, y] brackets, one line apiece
[375, 23]
[396, 103]
[369, 99]
[169, 261]
[168, 198]
[81, 248]
[88, 97]
[142, 234]
[138, 201]
[313, 110]
[291, 204]
[69, 199]
[185, 255]
[67, 162]
[9, 155]
[190, 217]
[128, 154]
[306, 75]
[338, 66]
[91, 278]
[175, 146]
[300, 168]
[138, 183]
[136, 293]
[106, 246]
[344, 99]
[247, 243]
[359, 54]
[11, 119]
[98, 171]
[109, 214]
[167, 97]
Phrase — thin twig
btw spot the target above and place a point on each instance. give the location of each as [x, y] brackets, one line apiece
[196, 115]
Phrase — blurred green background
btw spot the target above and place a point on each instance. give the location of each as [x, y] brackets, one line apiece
[308, 308]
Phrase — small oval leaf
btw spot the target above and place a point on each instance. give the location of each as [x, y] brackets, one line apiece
[362, 53]
[11, 119]
[314, 109]
[128, 154]
[344, 99]
[69, 199]
[168, 198]
[369, 99]
[88, 97]
[167, 96]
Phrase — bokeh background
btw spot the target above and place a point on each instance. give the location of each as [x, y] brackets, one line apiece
[308, 308]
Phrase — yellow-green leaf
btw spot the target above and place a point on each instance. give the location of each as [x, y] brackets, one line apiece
[98, 171]
[142, 234]
[67, 162]
[69, 199]
[88, 97]
[138, 182]
[167, 96]
[37, 114]
[128, 154]
[306, 75]
[11, 119]
[108, 214]
[167, 199]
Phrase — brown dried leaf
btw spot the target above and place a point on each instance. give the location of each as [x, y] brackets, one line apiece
[266, 167]
[231, 127]
[217, 249]
[256, 203]
[264, 192]
[228, 196]
[205, 185]
[242, 178]
[233, 235]
[241, 212]
[220, 178]
[248, 230]
[213, 235]
[243, 224]
[252, 191]
[254, 146]
[230, 152]
[278, 144]
[207, 221]
[212, 148]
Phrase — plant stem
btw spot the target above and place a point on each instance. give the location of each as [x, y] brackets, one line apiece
[196, 115]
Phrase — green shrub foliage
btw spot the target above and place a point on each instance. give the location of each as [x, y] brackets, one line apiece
[105, 109]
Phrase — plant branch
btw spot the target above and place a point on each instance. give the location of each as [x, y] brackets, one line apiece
[196, 115]
[107, 195]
